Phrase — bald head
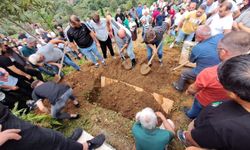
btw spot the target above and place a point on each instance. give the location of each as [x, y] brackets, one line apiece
[121, 33]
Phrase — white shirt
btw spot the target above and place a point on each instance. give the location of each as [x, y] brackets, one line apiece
[234, 5]
[218, 25]
[145, 10]
[210, 8]
[100, 29]
[178, 18]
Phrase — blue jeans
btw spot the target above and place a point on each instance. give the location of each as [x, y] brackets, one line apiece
[69, 62]
[159, 52]
[50, 70]
[59, 105]
[195, 109]
[184, 37]
[130, 49]
[91, 52]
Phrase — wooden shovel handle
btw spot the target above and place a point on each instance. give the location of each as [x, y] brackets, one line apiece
[155, 53]
[181, 65]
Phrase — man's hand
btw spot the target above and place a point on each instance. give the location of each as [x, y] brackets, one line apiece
[155, 50]
[9, 134]
[28, 76]
[160, 115]
[14, 88]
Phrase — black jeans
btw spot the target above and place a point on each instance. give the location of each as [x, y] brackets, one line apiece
[11, 97]
[35, 137]
[104, 45]
[35, 73]
[24, 88]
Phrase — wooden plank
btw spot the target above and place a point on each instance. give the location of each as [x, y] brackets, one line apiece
[185, 53]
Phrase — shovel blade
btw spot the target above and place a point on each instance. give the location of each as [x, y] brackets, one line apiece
[145, 69]
[127, 64]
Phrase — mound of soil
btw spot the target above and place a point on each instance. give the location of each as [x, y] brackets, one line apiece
[126, 100]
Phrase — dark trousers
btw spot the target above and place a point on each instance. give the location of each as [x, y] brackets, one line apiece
[12, 97]
[35, 137]
[186, 75]
[104, 45]
[34, 73]
[24, 88]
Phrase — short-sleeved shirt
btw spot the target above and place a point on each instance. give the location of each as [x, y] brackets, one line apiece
[218, 24]
[49, 90]
[159, 32]
[100, 29]
[244, 18]
[210, 89]
[223, 125]
[205, 54]
[51, 53]
[155, 139]
[211, 8]
[11, 81]
[192, 22]
[6, 62]
[81, 36]
[27, 51]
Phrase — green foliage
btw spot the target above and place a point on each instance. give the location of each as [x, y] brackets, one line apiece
[42, 120]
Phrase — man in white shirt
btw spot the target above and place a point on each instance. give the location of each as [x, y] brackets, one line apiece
[221, 22]
[211, 7]
[145, 9]
[234, 9]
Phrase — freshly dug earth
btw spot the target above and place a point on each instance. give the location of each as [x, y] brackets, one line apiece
[126, 100]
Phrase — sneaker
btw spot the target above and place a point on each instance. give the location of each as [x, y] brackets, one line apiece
[76, 116]
[171, 45]
[96, 65]
[161, 63]
[31, 104]
[96, 141]
[181, 137]
[76, 134]
[104, 63]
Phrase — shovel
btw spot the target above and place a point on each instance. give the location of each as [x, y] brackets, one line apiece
[126, 63]
[181, 65]
[145, 68]
[58, 77]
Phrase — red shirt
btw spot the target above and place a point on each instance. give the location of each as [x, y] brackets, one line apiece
[210, 89]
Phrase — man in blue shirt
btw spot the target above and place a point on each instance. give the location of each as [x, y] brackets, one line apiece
[147, 135]
[139, 10]
[204, 54]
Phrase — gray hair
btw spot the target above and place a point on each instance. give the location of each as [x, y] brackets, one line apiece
[204, 30]
[147, 118]
[31, 40]
[237, 42]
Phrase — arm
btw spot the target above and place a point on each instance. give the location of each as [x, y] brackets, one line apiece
[92, 34]
[7, 87]
[55, 41]
[192, 89]
[55, 64]
[9, 134]
[236, 14]
[41, 106]
[19, 72]
[152, 47]
[243, 27]
[165, 122]
[124, 47]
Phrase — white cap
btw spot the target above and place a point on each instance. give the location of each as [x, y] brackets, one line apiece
[34, 58]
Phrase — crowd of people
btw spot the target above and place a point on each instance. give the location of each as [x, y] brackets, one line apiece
[221, 77]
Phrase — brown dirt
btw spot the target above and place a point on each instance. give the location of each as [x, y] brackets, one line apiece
[125, 100]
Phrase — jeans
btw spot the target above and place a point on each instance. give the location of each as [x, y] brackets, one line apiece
[183, 36]
[59, 105]
[69, 62]
[91, 52]
[104, 45]
[195, 109]
[159, 52]
[187, 74]
[50, 70]
[130, 49]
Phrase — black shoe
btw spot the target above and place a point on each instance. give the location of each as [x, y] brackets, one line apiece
[96, 141]
[175, 85]
[76, 134]
[133, 63]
